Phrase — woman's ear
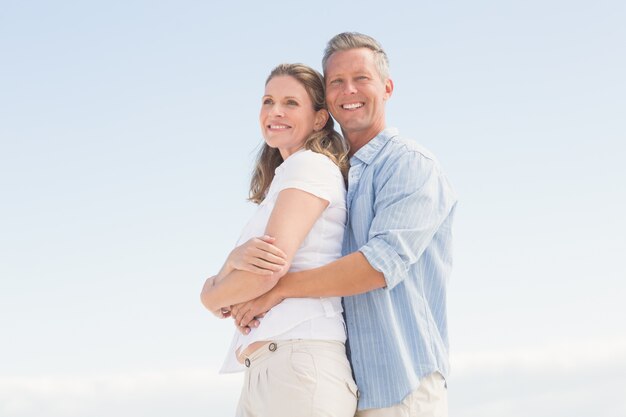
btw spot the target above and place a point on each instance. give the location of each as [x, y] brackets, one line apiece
[321, 117]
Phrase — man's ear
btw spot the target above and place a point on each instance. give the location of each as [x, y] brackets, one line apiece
[321, 117]
[388, 89]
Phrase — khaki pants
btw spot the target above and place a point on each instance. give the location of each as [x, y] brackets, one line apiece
[430, 399]
[298, 378]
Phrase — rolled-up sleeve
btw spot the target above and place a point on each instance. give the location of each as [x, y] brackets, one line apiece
[413, 198]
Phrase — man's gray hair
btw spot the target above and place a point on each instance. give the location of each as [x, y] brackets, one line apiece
[353, 40]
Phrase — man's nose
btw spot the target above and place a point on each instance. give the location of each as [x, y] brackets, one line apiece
[349, 87]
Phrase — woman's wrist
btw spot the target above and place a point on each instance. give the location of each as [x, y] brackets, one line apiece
[226, 269]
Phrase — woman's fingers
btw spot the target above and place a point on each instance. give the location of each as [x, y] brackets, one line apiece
[271, 249]
[255, 269]
[259, 256]
[268, 257]
[263, 264]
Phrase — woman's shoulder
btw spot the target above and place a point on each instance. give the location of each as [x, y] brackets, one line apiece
[312, 172]
[310, 160]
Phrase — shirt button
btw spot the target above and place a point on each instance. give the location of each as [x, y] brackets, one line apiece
[272, 347]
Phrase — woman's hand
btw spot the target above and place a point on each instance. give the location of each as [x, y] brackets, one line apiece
[258, 255]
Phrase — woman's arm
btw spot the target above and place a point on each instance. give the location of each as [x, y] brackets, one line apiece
[293, 216]
[257, 255]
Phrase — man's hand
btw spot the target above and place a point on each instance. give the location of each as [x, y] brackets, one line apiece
[253, 324]
[247, 314]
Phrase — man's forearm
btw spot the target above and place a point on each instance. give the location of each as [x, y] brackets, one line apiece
[349, 275]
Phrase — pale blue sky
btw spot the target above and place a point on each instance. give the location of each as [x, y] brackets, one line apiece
[127, 135]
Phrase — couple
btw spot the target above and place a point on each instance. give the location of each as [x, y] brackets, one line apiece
[384, 245]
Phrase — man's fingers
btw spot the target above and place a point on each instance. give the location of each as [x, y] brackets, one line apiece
[235, 311]
[243, 330]
[246, 318]
[241, 314]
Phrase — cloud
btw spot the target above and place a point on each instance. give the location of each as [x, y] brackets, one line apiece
[157, 393]
[565, 380]
[562, 357]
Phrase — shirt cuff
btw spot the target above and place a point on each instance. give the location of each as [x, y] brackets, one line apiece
[383, 258]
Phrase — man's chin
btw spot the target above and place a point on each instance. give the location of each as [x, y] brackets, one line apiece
[352, 125]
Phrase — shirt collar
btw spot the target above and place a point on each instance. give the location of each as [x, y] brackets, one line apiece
[369, 151]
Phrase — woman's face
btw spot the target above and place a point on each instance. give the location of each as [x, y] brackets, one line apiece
[287, 115]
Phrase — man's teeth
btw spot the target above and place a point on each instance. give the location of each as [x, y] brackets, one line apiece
[279, 127]
[352, 106]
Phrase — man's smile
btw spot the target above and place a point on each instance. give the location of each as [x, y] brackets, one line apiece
[352, 106]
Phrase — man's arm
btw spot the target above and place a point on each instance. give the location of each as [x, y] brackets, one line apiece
[412, 201]
[292, 217]
[349, 275]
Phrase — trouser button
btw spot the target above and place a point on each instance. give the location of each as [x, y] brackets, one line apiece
[247, 362]
[272, 347]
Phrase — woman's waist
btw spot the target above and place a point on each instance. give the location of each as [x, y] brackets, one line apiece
[320, 347]
[320, 328]
[253, 347]
[297, 309]
[294, 318]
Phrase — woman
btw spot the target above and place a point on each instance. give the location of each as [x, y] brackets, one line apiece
[295, 361]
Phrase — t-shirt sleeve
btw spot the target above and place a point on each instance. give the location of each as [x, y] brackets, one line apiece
[314, 173]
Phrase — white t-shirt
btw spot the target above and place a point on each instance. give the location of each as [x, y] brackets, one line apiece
[301, 318]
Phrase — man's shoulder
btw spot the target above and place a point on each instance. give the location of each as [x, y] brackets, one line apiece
[401, 145]
[401, 149]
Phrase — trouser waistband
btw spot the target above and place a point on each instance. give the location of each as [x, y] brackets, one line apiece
[269, 348]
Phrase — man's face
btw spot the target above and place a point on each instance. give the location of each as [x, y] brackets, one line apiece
[356, 94]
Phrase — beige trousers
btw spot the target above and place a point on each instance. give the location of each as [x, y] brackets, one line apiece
[430, 399]
[298, 378]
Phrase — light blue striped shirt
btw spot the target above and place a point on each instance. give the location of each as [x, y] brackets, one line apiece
[400, 208]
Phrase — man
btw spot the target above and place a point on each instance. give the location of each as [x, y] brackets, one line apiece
[397, 246]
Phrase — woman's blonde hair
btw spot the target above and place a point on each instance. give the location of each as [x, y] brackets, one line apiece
[325, 141]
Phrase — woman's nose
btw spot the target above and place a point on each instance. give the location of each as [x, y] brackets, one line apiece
[277, 111]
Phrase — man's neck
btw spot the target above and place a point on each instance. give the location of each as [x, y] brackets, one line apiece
[361, 138]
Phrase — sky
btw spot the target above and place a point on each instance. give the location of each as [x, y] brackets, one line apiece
[128, 131]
